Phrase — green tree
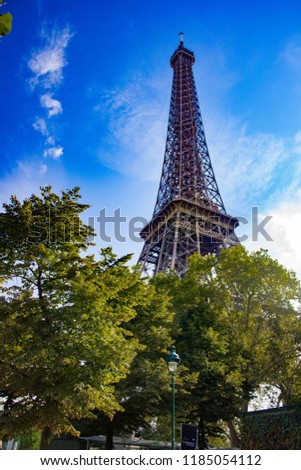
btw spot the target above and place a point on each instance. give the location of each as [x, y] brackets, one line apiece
[143, 392]
[5, 21]
[63, 317]
[239, 327]
[260, 302]
[30, 441]
[202, 341]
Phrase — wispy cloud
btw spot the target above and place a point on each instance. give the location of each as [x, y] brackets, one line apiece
[291, 54]
[246, 164]
[27, 176]
[46, 64]
[41, 126]
[290, 60]
[53, 106]
[283, 228]
[135, 118]
[54, 152]
[43, 169]
[263, 171]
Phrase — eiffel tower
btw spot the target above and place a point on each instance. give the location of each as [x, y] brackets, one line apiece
[189, 214]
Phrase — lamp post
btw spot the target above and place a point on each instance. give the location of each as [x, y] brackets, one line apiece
[173, 360]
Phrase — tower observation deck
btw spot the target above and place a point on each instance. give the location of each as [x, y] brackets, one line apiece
[189, 214]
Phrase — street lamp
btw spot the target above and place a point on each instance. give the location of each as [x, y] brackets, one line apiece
[173, 360]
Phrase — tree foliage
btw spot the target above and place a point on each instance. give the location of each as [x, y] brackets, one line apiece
[202, 343]
[260, 301]
[63, 316]
[87, 338]
[144, 394]
[5, 21]
[238, 324]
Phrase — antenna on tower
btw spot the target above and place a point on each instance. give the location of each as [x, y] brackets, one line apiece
[181, 39]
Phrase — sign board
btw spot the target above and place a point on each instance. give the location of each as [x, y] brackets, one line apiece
[189, 437]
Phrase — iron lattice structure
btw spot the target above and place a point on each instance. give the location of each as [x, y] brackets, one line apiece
[189, 214]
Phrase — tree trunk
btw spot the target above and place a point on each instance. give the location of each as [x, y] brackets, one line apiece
[234, 439]
[109, 435]
[244, 406]
[45, 438]
[202, 435]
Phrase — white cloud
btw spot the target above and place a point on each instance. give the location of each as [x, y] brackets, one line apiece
[43, 169]
[23, 179]
[27, 177]
[50, 140]
[291, 54]
[47, 63]
[245, 164]
[284, 228]
[54, 152]
[136, 129]
[53, 106]
[262, 171]
[41, 126]
[213, 62]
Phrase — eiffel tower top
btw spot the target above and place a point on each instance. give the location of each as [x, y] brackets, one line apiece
[187, 171]
[182, 50]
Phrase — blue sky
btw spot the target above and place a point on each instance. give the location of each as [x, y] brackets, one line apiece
[84, 99]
